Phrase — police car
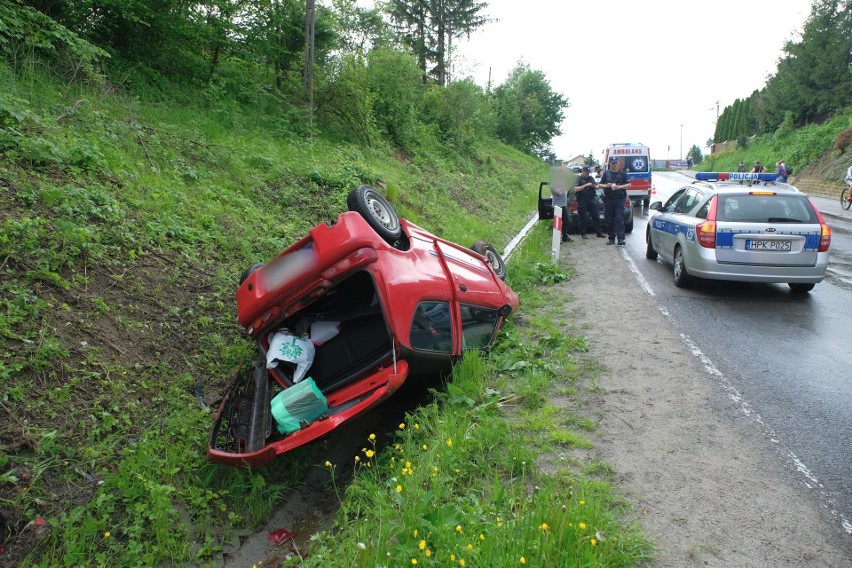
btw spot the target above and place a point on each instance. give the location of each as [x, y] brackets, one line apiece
[740, 227]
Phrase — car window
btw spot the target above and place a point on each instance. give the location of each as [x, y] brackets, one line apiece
[687, 201]
[766, 209]
[432, 328]
[634, 164]
[478, 326]
[669, 205]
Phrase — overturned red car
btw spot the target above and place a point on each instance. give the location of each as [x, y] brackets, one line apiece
[343, 317]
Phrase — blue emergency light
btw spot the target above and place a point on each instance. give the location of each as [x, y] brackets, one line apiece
[735, 176]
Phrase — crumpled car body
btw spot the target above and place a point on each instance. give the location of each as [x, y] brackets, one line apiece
[391, 302]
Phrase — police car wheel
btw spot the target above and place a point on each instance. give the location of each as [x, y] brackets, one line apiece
[650, 251]
[679, 273]
[800, 288]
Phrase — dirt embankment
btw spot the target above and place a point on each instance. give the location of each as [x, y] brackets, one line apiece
[704, 480]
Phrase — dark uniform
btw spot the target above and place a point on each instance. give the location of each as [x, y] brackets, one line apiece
[614, 205]
[587, 203]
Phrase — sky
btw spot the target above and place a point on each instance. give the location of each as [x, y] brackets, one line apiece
[649, 71]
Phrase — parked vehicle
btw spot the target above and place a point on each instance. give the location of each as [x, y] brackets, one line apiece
[343, 317]
[723, 229]
[637, 165]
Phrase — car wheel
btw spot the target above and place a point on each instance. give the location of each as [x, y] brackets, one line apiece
[800, 288]
[681, 276]
[628, 227]
[376, 210]
[247, 272]
[650, 251]
[493, 257]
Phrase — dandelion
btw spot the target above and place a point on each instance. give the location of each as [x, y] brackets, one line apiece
[594, 542]
[107, 534]
[452, 557]
[458, 528]
[461, 562]
[449, 442]
[523, 560]
[582, 526]
[422, 545]
[361, 546]
[399, 488]
[372, 437]
[414, 561]
[543, 526]
[428, 553]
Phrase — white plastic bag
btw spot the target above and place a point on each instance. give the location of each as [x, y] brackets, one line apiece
[285, 346]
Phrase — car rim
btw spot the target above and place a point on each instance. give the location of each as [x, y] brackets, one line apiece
[493, 260]
[678, 264]
[380, 212]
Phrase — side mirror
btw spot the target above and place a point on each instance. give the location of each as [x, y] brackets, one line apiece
[656, 206]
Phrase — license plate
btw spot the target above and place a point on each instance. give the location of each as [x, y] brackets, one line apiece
[286, 269]
[770, 245]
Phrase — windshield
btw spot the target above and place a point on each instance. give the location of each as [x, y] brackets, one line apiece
[766, 209]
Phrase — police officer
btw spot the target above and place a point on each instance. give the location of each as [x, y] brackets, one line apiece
[587, 202]
[614, 183]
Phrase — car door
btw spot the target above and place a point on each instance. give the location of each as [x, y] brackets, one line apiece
[663, 226]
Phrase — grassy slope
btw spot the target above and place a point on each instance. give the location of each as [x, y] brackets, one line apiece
[124, 227]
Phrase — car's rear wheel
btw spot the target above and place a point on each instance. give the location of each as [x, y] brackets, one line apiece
[650, 251]
[679, 273]
[487, 250]
[628, 227]
[247, 272]
[800, 287]
[376, 210]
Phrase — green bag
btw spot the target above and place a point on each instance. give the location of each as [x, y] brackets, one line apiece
[303, 402]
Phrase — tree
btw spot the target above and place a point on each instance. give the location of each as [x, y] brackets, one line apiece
[429, 26]
[695, 152]
[529, 112]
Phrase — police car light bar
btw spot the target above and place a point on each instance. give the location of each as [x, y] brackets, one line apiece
[735, 176]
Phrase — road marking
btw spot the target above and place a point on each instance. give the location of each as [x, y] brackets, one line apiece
[635, 270]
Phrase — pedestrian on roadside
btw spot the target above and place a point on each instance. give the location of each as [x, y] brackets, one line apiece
[756, 169]
[615, 183]
[779, 172]
[585, 190]
[787, 171]
[741, 169]
[559, 192]
[848, 180]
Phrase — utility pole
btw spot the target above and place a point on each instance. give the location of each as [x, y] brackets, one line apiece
[310, 17]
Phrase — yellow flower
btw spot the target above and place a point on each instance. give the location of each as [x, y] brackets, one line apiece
[469, 547]
[453, 557]
[582, 502]
[425, 447]
[106, 534]
[594, 542]
[327, 463]
[544, 526]
[416, 426]
[422, 545]
[481, 536]
[402, 425]
[582, 526]
[414, 561]
[461, 562]
[449, 442]
[523, 560]
[428, 553]
[399, 488]
[370, 453]
[415, 533]
[372, 436]
[458, 528]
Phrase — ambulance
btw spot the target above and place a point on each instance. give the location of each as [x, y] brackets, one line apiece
[637, 165]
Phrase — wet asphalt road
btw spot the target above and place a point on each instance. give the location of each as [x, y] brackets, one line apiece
[783, 360]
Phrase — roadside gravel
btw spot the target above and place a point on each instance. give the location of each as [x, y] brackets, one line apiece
[706, 482]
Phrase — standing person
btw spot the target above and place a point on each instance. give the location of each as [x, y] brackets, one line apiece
[587, 203]
[615, 184]
[741, 169]
[758, 168]
[559, 192]
[787, 171]
[598, 174]
[779, 173]
[848, 180]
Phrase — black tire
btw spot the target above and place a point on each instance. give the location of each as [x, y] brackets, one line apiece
[650, 251]
[247, 272]
[800, 287]
[844, 201]
[679, 274]
[487, 250]
[628, 227]
[376, 210]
